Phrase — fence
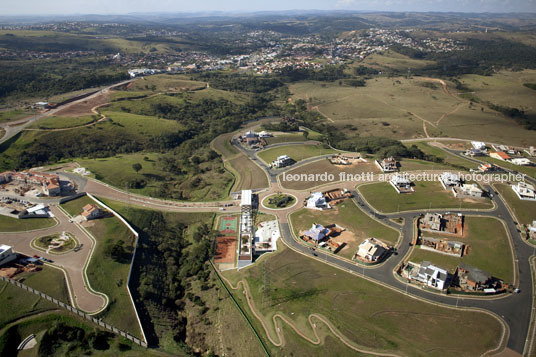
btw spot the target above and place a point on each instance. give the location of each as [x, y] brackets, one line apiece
[76, 311]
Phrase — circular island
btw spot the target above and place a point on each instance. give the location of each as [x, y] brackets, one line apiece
[58, 243]
[279, 201]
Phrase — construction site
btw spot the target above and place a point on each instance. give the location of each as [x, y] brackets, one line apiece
[453, 248]
[347, 159]
[324, 237]
[336, 196]
[449, 223]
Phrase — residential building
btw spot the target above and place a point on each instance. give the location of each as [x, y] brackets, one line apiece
[471, 278]
[479, 145]
[468, 191]
[245, 251]
[433, 276]
[401, 183]
[388, 164]
[6, 254]
[371, 250]
[264, 134]
[443, 246]
[524, 191]
[448, 180]
[91, 211]
[266, 236]
[487, 168]
[317, 200]
[474, 152]
[500, 155]
[447, 223]
[521, 161]
[317, 232]
[282, 161]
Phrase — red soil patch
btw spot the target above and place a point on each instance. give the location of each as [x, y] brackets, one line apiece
[84, 107]
[225, 250]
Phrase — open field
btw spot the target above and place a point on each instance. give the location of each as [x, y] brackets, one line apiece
[108, 274]
[367, 314]
[286, 137]
[117, 171]
[504, 88]
[449, 159]
[489, 249]
[63, 122]
[49, 280]
[396, 108]
[11, 115]
[296, 152]
[84, 107]
[321, 166]
[165, 83]
[428, 195]
[525, 211]
[8, 224]
[346, 214]
[250, 175]
[16, 303]
[393, 60]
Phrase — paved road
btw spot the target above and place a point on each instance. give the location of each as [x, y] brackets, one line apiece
[13, 129]
[72, 262]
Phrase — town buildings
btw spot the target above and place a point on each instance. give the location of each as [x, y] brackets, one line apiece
[50, 183]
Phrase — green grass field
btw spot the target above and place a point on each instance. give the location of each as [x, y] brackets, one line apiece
[50, 281]
[287, 137]
[8, 224]
[63, 122]
[393, 60]
[366, 313]
[449, 159]
[296, 152]
[106, 274]
[428, 195]
[11, 115]
[165, 83]
[324, 166]
[349, 216]
[525, 211]
[489, 249]
[117, 171]
[17, 303]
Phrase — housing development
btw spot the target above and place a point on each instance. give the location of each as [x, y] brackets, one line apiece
[295, 184]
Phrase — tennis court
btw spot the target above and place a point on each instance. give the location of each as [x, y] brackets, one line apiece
[228, 225]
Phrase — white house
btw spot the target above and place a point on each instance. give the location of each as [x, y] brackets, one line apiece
[371, 250]
[265, 134]
[266, 236]
[521, 161]
[467, 191]
[401, 183]
[282, 161]
[317, 200]
[448, 180]
[6, 254]
[479, 145]
[432, 276]
[524, 191]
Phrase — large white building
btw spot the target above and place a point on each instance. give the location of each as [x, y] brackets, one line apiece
[448, 180]
[317, 200]
[266, 236]
[479, 145]
[432, 276]
[6, 254]
[524, 191]
[282, 161]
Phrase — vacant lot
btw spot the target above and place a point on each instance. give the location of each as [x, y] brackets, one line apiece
[248, 174]
[8, 224]
[165, 83]
[349, 216]
[428, 195]
[489, 249]
[525, 211]
[324, 166]
[448, 158]
[50, 281]
[109, 273]
[296, 152]
[367, 314]
[84, 106]
[287, 137]
[11, 115]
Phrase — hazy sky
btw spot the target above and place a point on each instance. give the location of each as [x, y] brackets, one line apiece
[42, 7]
